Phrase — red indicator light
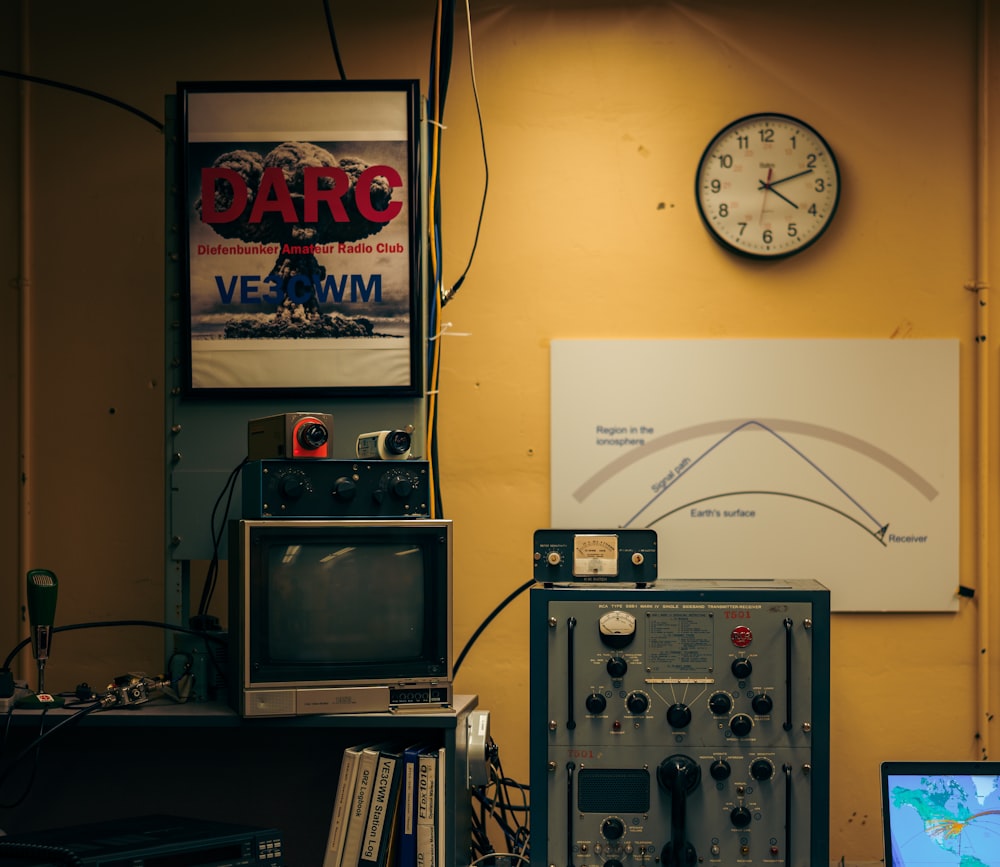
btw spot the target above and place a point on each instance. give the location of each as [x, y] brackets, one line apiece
[741, 636]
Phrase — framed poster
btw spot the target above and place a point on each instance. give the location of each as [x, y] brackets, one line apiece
[300, 214]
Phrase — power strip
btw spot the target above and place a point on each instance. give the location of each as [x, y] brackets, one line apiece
[20, 691]
[478, 729]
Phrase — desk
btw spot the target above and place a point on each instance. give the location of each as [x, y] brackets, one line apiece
[203, 760]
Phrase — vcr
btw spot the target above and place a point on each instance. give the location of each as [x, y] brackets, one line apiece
[146, 841]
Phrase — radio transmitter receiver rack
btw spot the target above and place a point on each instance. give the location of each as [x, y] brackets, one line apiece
[681, 724]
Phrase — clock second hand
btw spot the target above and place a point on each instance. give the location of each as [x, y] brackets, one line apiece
[765, 186]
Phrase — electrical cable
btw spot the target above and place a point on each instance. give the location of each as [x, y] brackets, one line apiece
[333, 40]
[208, 636]
[435, 117]
[486, 164]
[34, 79]
[212, 574]
[36, 743]
[442, 51]
[10, 805]
[512, 819]
[482, 626]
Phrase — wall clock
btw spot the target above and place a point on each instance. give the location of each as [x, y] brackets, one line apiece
[767, 186]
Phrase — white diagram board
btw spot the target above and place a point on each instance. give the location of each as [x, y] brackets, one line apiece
[769, 460]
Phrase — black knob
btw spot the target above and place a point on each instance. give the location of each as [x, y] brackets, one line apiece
[720, 703]
[292, 487]
[344, 488]
[613, 828]
[678, 715]
[402, 487]
[637, 702]
[740, 725]
[720, 770]
[596, 703]
[740, 817]
[761, 769]
[617, 666]
[762, 704]
[741, 668]
[679, 769]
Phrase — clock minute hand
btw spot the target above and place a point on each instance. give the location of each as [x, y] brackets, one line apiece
[790, 177]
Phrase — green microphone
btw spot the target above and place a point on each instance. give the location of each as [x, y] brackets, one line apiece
[43, 586]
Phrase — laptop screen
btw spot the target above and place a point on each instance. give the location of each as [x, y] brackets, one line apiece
[941, 813]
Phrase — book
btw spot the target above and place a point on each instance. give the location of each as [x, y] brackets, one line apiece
[360, 801]
[341, 805]
[441, 817]
[375, 842]
[426, 808]
[407, 812]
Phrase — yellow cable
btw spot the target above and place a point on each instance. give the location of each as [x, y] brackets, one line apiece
[432, 242]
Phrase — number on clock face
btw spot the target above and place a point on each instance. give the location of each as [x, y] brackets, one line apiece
[767, 186]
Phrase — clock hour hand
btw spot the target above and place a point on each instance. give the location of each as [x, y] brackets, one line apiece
[778, 193]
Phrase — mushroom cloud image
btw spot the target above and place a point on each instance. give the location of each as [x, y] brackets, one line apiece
[300, 197]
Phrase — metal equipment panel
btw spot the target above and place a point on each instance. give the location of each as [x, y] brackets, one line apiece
[679, 724]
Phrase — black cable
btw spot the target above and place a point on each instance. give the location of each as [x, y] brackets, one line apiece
[34, 79]
[486, 180]
[504, 815]
[34, 771]
[208, 636]
[333, 40]
[493, 614]
[36, 743]
[212, 574]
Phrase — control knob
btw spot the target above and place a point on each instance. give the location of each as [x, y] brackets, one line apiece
[637, 702]
[761, 769]
[741, 668]
[617, 667]
[720, 703]
[762, 704]
[596, 703]
[740, 817]
[678, 715]
[720, 770]
[344, 488]
[292, 487]
[740, 725]
[613, 828]
[398, 485]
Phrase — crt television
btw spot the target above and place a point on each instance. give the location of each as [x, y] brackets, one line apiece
[339, 616]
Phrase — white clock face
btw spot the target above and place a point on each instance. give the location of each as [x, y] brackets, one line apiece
[767, 186]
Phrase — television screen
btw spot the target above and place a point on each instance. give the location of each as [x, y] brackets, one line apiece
[328, 599]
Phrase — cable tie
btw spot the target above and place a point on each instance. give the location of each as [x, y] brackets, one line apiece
[443, 331]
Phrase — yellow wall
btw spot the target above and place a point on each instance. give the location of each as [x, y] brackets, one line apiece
[595, 116]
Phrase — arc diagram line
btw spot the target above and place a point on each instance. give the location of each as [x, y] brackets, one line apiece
[893, 464]
[768, 426]
[879, 535]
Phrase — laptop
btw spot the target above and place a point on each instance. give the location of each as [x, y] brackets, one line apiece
[941, 813]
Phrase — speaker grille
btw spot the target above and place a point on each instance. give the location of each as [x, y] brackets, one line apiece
[613, 790]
